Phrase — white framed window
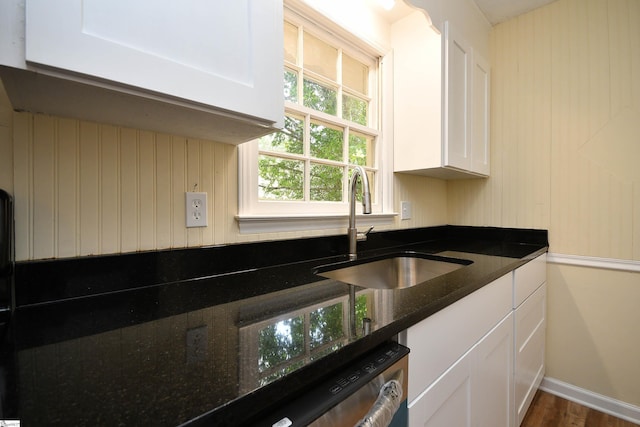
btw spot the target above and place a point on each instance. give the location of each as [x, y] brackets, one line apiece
[298, 179]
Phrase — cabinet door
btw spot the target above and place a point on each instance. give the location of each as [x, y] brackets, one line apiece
[447, 402]
[442, 338]
[477, 390]
[530, 321]
[492, 382]
[417, 94]
[225, 54]
[480, 91]
[457, 95]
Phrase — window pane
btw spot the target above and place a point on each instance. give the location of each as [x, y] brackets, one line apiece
[361, 150]
[319, 57]
[290, 43]
[320, 98]
[290, 85]
[326, 142]
[280, 179]
[289, 141]
[355, 75]
[326, 183]
[326, 325]
[354, 109]
[280, 342]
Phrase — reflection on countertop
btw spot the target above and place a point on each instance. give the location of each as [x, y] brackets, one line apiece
[220, 348]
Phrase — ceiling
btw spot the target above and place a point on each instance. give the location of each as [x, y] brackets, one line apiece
[498, 11]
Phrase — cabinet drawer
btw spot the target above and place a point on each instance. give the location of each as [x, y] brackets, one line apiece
[527, 279]
[439, 340]
[529, 337]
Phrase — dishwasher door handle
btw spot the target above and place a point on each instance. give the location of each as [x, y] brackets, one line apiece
[385, 406]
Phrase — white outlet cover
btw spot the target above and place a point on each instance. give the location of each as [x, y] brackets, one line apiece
[405, 210]
[196, 209]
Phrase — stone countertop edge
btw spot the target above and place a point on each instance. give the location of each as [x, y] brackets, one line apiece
[74, 280]
[262, 401]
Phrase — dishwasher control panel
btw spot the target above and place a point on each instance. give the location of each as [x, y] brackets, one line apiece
[337, 387]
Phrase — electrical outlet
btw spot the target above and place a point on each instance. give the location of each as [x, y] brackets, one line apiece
[405, 210]
[197, 344]
[196, 209]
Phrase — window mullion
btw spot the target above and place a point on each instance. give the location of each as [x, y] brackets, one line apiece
[307, 335]
[301, 65]
[345, 158]
[281, 155]
[307, 153]
[339, 80]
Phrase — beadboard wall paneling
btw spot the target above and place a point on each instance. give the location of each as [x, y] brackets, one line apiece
[565, 146]
[6, 147]
[85, 188]
[428, 197]
[565, 125]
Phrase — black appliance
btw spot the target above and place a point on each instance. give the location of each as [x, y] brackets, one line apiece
[7, 361]
[371, 391]
[6, 258]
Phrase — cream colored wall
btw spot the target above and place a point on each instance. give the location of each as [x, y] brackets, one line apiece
[566, 157]
[592, 333]
[6, 143]
[85, 188]
[565, 123]
[428, 198]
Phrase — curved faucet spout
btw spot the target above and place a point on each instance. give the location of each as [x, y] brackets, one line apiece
[352, 231]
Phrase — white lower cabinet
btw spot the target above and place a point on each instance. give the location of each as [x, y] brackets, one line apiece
[447, 402]
[476, 390]
[529, 349]
[492, 377]
[479, 361]
[461, 361]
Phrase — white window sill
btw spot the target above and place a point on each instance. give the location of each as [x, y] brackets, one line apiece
[250, 224]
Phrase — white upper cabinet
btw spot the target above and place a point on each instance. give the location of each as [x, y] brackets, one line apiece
[466, 105]
[457, 101]
[441, 95]
[480, 114]
[209, 69]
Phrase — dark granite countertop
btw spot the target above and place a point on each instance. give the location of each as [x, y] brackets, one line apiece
[216, 336]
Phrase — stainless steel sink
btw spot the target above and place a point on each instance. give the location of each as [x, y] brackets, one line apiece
[394, 271]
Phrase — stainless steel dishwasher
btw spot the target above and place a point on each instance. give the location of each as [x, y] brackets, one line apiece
[371, 392]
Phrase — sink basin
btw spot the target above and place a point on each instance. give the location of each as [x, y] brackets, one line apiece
[394, 271]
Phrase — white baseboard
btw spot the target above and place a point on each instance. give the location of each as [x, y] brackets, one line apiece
[592, 400]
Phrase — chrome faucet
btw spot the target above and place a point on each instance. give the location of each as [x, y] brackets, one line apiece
[352, 231]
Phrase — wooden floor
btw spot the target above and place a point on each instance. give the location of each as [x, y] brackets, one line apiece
[548, 410]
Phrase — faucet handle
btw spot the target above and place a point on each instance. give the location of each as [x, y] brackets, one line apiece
[361, 237]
